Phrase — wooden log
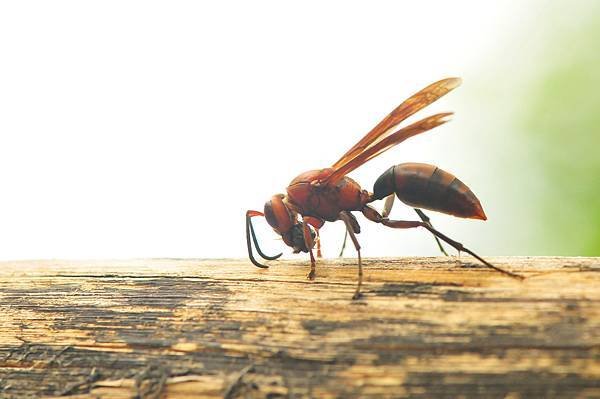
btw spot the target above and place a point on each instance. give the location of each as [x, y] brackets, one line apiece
[170, 328]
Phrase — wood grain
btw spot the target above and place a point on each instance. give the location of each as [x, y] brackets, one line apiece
[171, 328]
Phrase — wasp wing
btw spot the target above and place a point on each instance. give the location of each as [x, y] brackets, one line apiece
[388, 142]
[409, 107]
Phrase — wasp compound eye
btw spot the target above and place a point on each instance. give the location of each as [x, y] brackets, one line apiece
[278, 215]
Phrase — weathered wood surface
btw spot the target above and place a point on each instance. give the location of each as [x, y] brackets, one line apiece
[166, 328]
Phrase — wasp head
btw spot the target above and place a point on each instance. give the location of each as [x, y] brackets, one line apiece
[284, 221]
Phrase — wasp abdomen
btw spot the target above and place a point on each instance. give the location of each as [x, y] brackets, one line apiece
[429, 187]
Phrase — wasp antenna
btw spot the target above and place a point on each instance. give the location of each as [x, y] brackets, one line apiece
[261, 253]
[250, 232]
[250, 254]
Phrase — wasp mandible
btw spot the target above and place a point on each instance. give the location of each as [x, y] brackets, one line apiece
[328, 195]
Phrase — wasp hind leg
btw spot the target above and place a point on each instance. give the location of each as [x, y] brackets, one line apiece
[387, 209]
[374, 216]
[426, 220]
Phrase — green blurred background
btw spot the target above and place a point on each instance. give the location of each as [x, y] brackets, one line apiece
[546, 145]
[563, 121]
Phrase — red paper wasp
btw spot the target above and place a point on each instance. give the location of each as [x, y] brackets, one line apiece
[327, 195]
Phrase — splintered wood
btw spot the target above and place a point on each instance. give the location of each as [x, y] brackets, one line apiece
[167, 328]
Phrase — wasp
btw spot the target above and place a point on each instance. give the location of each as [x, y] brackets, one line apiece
[329, 195]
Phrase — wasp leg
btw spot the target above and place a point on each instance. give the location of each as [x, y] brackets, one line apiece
[343, 244]
[355, 229]
[309, 244]
[315, 223]
[350, 229]
[374, 216]
[426, 220]
[387, 207]
[318, 242]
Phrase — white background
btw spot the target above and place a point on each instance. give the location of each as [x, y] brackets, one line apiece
[146, 129]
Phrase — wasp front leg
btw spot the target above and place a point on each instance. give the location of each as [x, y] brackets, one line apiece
[318, 244]
[308, 241]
